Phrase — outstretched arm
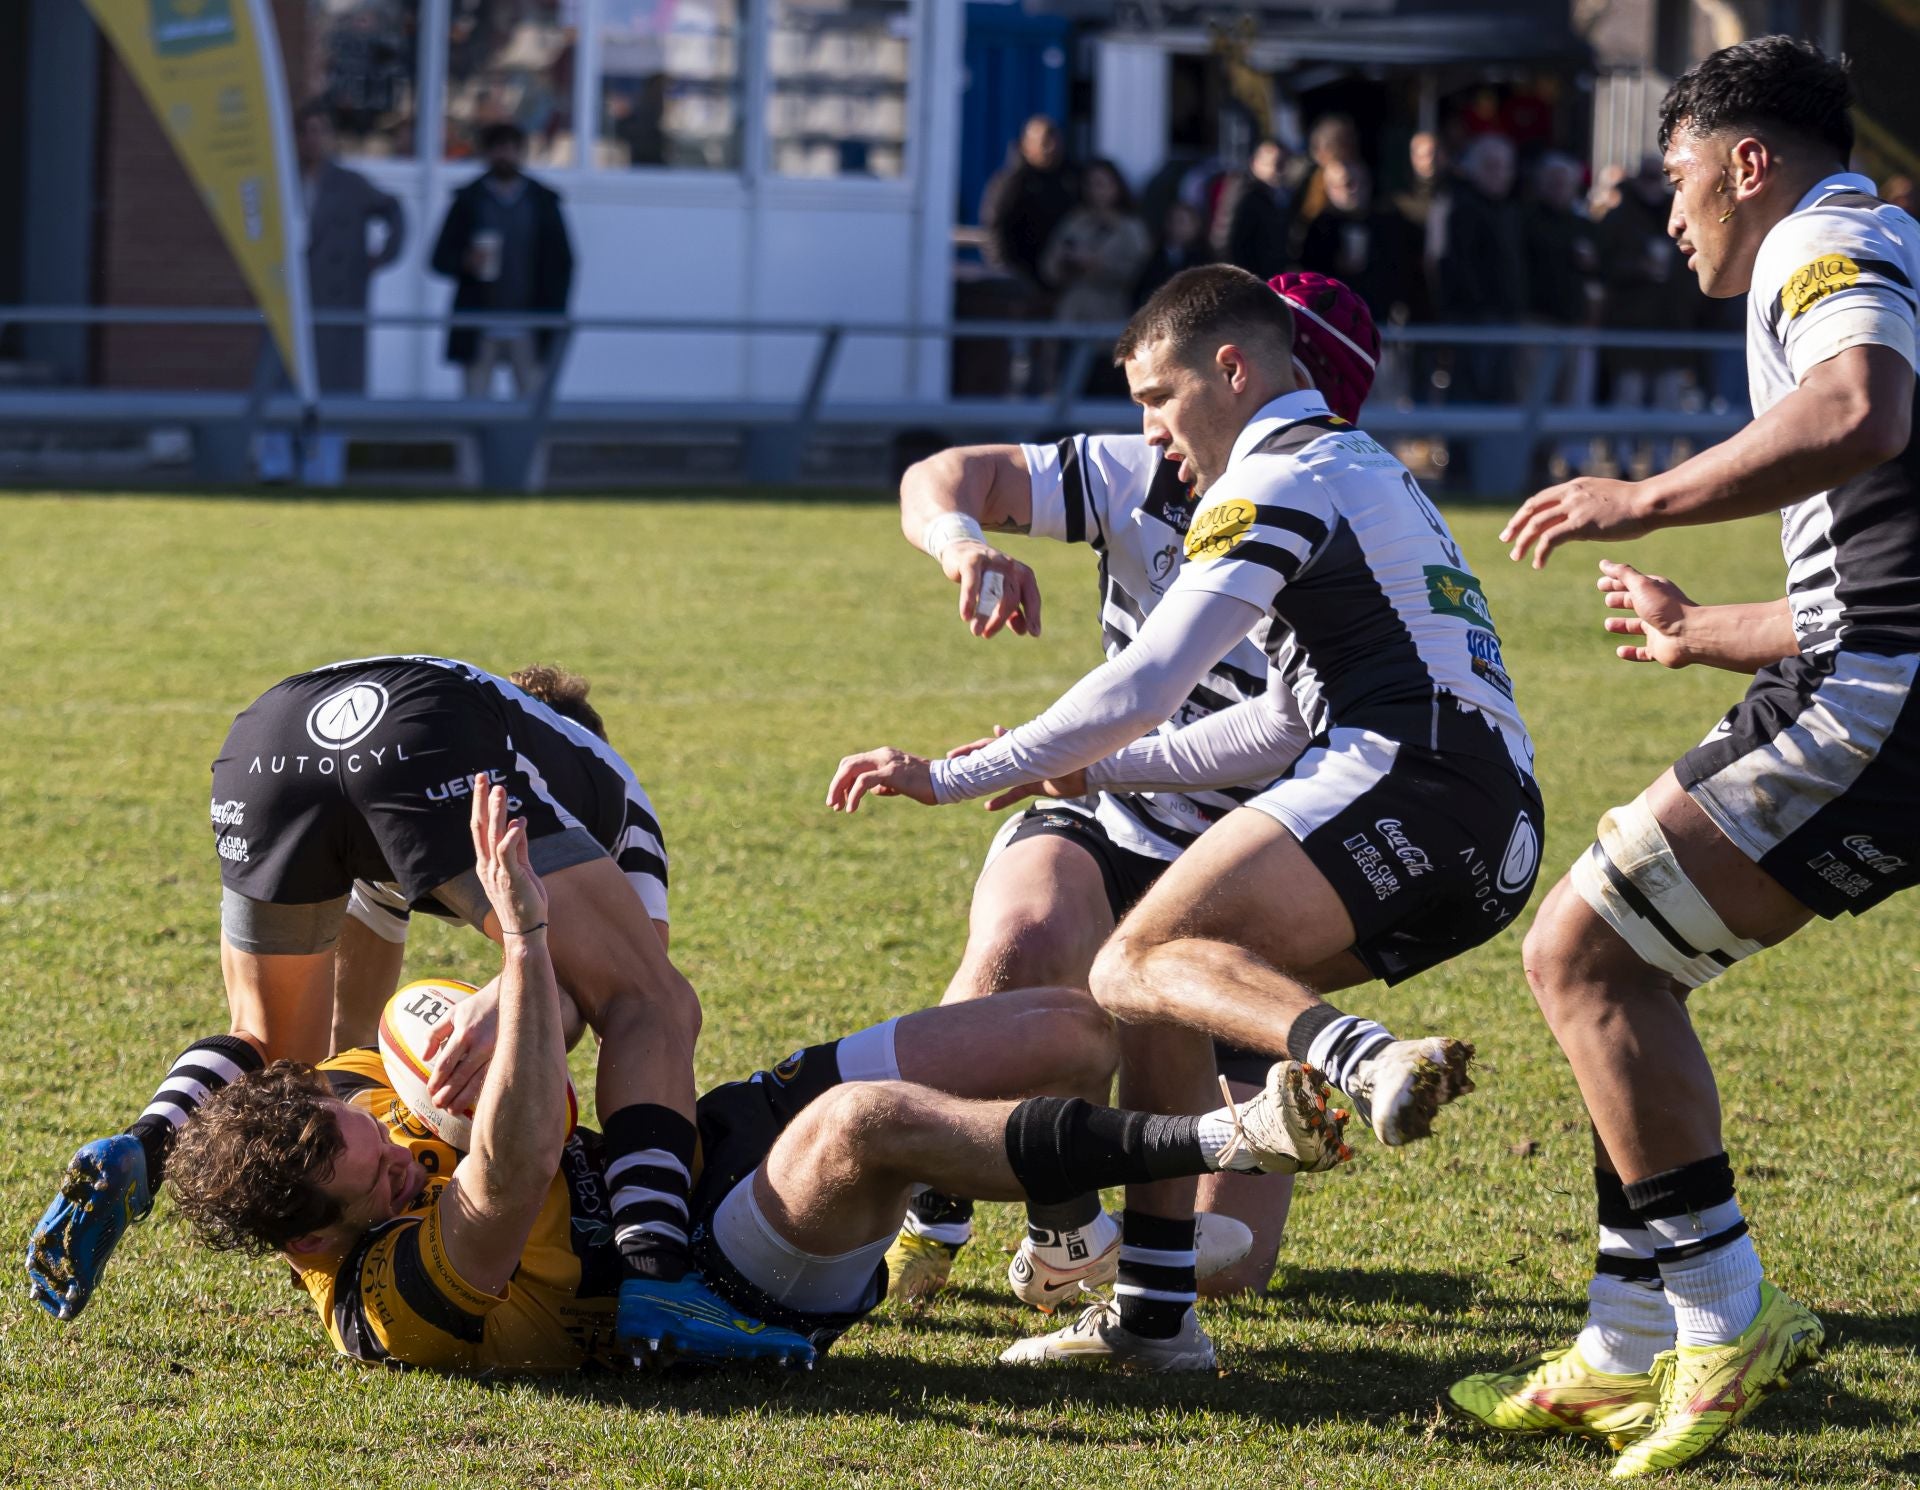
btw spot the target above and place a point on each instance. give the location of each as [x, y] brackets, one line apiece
[1850, 413]
[1116, 703]
[948, 503]
[519, 1126]
[1674, 631]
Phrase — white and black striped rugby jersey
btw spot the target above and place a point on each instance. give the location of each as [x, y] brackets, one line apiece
[1841, 271]
[1375, 621]
[1122, 498]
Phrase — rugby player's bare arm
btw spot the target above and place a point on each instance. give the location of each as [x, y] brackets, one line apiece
[605, 945]
[488, 1211]
[1849, 414]
[1674, 631]
[991, 485]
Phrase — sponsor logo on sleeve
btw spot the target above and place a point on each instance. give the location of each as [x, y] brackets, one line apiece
[1454, 592]
[1811, 283]
[346, 718]
[1218, 530]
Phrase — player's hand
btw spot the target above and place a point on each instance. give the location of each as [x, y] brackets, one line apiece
[460, 1048]
[1660, 610]
[514, 891]
[1073, 784]
[1586, 508]
[980, 570]
[885, 772]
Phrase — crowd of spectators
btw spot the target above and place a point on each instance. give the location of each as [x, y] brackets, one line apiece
[1478, 235]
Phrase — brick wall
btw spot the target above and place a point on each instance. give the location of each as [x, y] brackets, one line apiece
[155, 244]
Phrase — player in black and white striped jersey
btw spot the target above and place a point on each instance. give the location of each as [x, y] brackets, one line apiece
[348, 786]
[1059, 877]
[1405, 833]
[1800, 802]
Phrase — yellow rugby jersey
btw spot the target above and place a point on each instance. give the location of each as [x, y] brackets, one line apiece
[395, 1296]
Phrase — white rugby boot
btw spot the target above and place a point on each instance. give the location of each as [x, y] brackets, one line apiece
[1048, 1276]
[1097, 1338]
[1287, 1127]
[1400, 1091]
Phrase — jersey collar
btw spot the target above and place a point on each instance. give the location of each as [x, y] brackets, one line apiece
[1288, 408]
[1838, 181]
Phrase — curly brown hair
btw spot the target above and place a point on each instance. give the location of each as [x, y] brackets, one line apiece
[561, 691]
[247, 1169]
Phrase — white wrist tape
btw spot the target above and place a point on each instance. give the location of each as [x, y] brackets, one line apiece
[949, 528]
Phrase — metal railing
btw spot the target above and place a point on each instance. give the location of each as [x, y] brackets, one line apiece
[510, 433]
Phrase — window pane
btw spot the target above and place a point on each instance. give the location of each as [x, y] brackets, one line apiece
[512, 61]
[670, 84]
[360, 63]
[839, 104]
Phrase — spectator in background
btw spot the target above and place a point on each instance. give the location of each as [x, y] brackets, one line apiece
[1563, 283]
[1371, 249]
[1183, 245]
[1899, 190]
[1253, 221]
[1646, 290]
[343, 209]
[1025, 202]
[1428, 166]
[1095, 258]
[1480, 264]
[1427, 163]
[505, 244]
[1333, 141]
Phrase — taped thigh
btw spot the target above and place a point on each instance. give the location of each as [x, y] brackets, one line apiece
[1635, 884]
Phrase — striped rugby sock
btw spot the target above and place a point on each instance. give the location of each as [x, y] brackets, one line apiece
[200, 1070]
[649, 1152]
[1335, 1044]
[1706, 1259]
[1629, 1320]
[1156, 1286]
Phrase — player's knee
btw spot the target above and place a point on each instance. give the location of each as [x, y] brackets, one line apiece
[1025, 947]
[1115, 980]
[862, 1124]
[1073, 1024]
[669, 1008]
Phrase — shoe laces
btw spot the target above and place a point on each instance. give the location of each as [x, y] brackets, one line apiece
[1239, 1139]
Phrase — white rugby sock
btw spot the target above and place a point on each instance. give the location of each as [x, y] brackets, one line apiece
[1072, 1246]
[1714, 1284]
[1629, 1322]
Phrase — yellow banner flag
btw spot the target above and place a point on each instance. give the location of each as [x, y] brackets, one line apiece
[211, 71]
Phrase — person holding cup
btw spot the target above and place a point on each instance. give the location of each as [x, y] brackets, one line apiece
[504, 243]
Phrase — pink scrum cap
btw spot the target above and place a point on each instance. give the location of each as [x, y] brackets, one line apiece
[1335, 343]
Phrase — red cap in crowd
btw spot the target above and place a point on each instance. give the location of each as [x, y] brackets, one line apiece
[1335, 343]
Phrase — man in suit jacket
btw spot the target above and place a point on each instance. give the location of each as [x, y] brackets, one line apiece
[505, 243]
[341, 205]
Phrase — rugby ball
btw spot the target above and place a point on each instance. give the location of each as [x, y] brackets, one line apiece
[406, 1025]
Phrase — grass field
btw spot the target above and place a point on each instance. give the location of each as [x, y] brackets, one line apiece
[738, 649]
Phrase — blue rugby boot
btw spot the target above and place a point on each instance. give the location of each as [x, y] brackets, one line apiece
[687, 1321]
[102, 1193]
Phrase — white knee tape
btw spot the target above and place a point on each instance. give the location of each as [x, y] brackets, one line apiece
[1634, 883]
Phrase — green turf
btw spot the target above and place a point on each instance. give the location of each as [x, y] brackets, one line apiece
[738, 649]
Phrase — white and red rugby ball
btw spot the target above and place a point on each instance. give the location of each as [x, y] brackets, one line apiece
[406, 1025]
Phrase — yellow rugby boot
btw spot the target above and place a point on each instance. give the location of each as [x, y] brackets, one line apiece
[1707, 1389]
[1557, 1392]
[917, 1267]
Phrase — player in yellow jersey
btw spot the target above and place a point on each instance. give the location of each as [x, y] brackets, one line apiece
[503, 1257]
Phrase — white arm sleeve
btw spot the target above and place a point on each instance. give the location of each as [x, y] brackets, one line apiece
[1247, 745]
[1116, 703]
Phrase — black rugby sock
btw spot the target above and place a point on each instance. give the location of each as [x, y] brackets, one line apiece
[1156, 1286]
[1063, 1148]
